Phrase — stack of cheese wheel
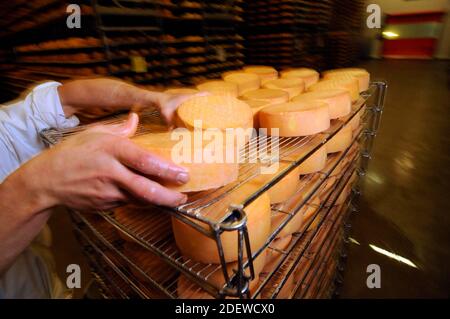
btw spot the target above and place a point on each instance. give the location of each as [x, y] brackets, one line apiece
[179, 147]
[340, 141]
[283, 189]
[256, 106]
[181, 91]
[338, 100]
[244, 81]
[265, 73]
[361, 75]
[295, 118]
[309, 76]
[219, 88]
[271, 96]
[348, 83]
[292, 86]
[198, 247]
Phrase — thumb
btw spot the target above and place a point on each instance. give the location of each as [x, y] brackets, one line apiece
[125, 129]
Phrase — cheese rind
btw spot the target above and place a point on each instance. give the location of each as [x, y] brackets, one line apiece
[340, 141]
[310, 76]
[271, 96]
[361, 75]
[339, 100]
[245, 81]
[292, 86]
[350, 84]
[203, 175]
[219, 88]
[256, 106]
[265, 73]
[295, 118]
[201, 248]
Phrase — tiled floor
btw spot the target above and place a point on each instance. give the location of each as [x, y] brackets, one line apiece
[405, 207]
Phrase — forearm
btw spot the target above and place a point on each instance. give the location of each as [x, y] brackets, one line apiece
[23, 213]
[108, 94]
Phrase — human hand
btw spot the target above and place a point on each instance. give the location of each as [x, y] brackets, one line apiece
[101, 169]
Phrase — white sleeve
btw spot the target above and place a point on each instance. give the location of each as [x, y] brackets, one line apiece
[21, 122]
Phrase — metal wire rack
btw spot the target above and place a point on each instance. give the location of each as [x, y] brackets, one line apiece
[216, 210]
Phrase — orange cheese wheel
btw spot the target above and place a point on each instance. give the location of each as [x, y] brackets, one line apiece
[295, 118]
[203, 175]
[295, 224]
[314, 163]
[339, 101]
[326, 188]
[245, 81]
[265, 73]
[256, 106]
[270, 96]
[215, 112]
[282, 190]
[181, 91]
[313, 204]
[361, 75]
[340, 141]
[356, 120]
[346, 190]
[350, 84]
[274, 254]
[219, 88]
[292, 86]
[310, 76]
[201, 248]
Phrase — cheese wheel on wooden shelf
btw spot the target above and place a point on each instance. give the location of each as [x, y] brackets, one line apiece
[201, 248]
[256, 106]
[340, 141]
[203, 175]
[350, 84]
[245, 81]
[295, 118]
[219, 88]
[361, 75]
[181, 91]
[292, 87]
[282, 190]
[265, 73]
[271, 96]
[310, 76]
[339, 100]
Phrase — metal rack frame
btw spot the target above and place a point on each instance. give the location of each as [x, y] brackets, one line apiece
[234, 219]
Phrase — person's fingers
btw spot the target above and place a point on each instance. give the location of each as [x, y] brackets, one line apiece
[125, 129]
[146, 163]
[149, 191]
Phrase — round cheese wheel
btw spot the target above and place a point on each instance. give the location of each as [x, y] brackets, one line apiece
[219, 88]
[314, 163]
[295, 118]
[245, 81]
[313, 205]
[292, 86]
[295, 224]
[270, 96]
[181, 91]
[361, 75]
[201, 248]
[215, 112]
[346, 190]
[350, 84]
[310, 76]
[354, 123]
[339, 101]
[284, 189]
[203, 174]
[340, 141]
[326, 187]
[265, 73]
[256, 106]
[274, 254]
